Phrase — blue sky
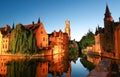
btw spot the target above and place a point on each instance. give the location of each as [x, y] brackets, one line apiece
[83, 14]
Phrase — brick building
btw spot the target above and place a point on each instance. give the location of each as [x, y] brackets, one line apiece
[59, 40]
[56, 40]
[40, 34]
[107, 38]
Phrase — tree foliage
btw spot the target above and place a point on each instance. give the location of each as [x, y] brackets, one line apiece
[22, 40]
[72, 51]
[87, 64]
[87, 40]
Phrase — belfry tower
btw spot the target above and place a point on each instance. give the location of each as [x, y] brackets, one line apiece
[67, 28]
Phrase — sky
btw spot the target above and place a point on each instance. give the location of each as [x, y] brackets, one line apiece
[83, 15]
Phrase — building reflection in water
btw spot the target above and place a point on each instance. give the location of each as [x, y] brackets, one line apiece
[3, 67]
[104, 67]
[94, 59]
[55, 65]
[42, 69]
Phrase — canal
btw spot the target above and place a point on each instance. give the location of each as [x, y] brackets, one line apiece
[58, 65]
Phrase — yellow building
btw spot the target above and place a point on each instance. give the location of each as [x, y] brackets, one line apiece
[3, 67]
[4, 39]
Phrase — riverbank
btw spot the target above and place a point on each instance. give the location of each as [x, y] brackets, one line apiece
[10, 57]
[22, 55]
[103, 54]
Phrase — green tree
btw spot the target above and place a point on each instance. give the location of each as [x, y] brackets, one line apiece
[87, 40]
[87, 64]
[22, 40]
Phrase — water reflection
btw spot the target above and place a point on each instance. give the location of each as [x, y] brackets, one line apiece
[50, 65]
[3, 67]
[94, 59]
[56, 65]
[104, 67]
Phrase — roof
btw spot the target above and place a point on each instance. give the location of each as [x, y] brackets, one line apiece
[32, 26]
[29, 26]
[116, 23]
[5, 30]
[107, 12]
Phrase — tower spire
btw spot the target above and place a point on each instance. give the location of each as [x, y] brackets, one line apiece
[107, 14]
[107, 11]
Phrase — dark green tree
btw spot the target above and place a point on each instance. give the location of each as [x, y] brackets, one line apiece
[87, 40]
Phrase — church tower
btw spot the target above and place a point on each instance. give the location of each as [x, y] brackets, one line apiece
[67, 28]
[108, 30]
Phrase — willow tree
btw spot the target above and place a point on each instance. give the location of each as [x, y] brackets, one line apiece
[22, 40]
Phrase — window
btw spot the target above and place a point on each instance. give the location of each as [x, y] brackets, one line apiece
[3, 46]
[41, 32]
[43, 70]
[43, 38]
[40, 44]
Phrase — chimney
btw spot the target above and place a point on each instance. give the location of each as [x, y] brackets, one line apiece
[33, 22]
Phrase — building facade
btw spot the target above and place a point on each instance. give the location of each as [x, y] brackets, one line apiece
[3, 66]
[4, 39]
[56, 40]
[40, 34]
[42, 69]
[107, 38]
[59, 40]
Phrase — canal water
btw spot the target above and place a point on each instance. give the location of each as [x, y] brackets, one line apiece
[59, 65]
